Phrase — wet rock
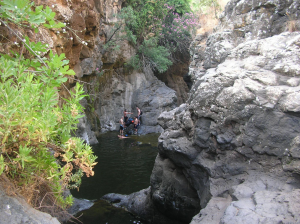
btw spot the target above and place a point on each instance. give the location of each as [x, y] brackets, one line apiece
[141, 205]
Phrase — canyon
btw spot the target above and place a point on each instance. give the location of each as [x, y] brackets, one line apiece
[229, 147]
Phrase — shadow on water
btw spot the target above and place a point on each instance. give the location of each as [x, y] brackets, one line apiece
[124, 166]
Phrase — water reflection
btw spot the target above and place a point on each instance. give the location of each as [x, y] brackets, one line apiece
[124, 166]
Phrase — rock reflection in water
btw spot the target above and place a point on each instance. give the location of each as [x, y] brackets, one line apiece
[103, 213]
[124, 166]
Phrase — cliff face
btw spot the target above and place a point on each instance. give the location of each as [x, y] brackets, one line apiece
[89, 25]
[113, 89]
[232, 150]
[236, 140]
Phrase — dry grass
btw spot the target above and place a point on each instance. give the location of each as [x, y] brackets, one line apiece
[208, 19]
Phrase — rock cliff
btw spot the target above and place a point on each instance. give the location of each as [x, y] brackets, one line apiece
[231, 152]
[113, 89]
[88, 24]
[101, 70]
[236, 138]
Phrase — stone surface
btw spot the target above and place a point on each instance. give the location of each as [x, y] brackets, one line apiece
[140, 204]
[116, 89]
[119, 91]
[265, 207]
[231, 152]
[235, 142]
[14, 210]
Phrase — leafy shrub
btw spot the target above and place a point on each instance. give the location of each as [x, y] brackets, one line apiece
[155, 56]
[35, 132]
[177, 30]
[157, 29]
[203, 5]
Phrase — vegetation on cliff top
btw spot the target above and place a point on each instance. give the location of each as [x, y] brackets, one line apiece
[159, 30]
[37, 153]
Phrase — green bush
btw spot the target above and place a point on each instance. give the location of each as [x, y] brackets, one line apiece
[157, 29]
[35, 132]
[155, 56]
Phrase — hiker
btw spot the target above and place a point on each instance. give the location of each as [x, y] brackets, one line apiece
[140, 112]
[121, 126]
[136, 124]
[125, 115]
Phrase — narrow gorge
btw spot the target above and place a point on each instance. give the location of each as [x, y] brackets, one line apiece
[231, 151]
[228, 114]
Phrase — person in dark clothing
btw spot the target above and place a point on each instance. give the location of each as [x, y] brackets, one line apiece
[129, 121]
[125, 115]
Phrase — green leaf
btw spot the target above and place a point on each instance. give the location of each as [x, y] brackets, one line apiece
[24, 155]
[2, 164]
[49, 14]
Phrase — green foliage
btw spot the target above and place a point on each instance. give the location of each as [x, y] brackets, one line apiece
[203, 5]
[180, 6]
[147, 14]
[33, 126]
[20, 11]
[134, 63]
[156, 56]
[24, 155]
[2, 164]
[157, 29]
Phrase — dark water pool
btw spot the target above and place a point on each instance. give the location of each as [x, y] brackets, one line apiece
[124, 166]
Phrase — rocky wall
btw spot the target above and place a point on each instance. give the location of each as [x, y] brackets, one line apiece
[236, 137]
[231, 152]
[117, 90]
[90, 24]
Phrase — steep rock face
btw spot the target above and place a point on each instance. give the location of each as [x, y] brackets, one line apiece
[116, 90]
[119, 91]
[90, 25]
[236, 140]
[176, 77]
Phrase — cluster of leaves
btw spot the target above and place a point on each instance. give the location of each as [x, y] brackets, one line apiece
[35, 132]
[17, 12]
[157, 29]
[177, 29]
[203, 5]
